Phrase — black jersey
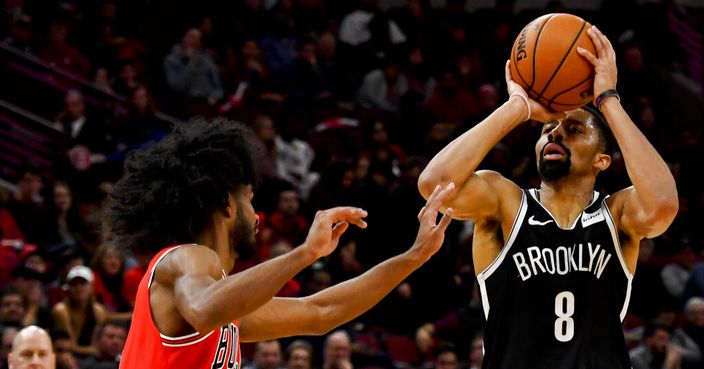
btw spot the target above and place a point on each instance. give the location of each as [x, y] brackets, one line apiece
[555, 298]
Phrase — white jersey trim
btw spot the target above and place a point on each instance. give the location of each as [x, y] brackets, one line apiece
[534, 194]
[151, 274]
[619, 253]
[515, 228]
[194, 334]
[187, 343]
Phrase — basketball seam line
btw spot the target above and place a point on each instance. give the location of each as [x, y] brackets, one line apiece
[561, 61]
[535, 47]
[551, 101]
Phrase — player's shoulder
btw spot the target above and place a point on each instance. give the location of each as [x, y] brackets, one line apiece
[507, 190]
[188, 259]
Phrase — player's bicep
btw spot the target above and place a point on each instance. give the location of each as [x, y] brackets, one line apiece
[481, 195]
[633, 219]
[280, 317]
[192, 272]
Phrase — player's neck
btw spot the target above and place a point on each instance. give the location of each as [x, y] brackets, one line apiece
[566, 197]
[218, 241]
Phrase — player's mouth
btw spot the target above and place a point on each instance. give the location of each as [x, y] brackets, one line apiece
[554, 151]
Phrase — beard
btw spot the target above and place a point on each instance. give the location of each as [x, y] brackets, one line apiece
[552, 170]
[242, 237]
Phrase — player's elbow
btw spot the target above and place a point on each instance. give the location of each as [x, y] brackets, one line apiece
[200, 317]
[427, 181]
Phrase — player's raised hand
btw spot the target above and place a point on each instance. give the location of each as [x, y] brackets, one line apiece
[536, 111]
[329, 225]
[430, 232]
[604, 62]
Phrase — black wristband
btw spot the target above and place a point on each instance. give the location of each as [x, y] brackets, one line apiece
[604, 95]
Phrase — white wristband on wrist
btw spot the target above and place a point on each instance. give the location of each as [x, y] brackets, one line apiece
[525, 99]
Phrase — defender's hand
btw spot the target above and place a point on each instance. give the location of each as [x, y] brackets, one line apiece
[431, 234]
[604, 62]
[329, 225]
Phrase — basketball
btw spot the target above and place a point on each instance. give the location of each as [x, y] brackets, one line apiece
[545, 62]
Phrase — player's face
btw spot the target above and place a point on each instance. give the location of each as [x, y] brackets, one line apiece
[242, 234]
[567, 146]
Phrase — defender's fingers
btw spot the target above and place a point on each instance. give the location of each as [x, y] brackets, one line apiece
[445, 220]
[344, 212]
[358, 222]
[421, 212]
[441, 196]
[339, 229]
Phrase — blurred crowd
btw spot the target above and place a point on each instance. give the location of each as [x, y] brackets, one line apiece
[347, 101]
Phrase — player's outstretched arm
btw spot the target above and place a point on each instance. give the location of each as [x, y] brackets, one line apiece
[477, 191]
[207, 302]
[327, 309]
[650, 205]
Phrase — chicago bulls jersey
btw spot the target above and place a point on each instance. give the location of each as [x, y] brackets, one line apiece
[146, 347]
[555, 297]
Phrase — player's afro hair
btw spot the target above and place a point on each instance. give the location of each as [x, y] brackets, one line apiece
[170, 191]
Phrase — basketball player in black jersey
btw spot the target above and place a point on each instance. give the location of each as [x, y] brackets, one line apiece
[554, 264]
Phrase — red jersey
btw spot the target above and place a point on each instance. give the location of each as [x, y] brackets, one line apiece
[146, 347]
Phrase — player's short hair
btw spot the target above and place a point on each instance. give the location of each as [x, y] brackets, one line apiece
[170, 190]
[607, 143]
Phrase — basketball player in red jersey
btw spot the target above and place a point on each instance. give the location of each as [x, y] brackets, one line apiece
[555, 264]
[193, 190]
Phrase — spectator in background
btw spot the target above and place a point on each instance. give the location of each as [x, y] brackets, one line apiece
[451, 102]
[279, 46]
[109, 341]
[79, 314]
[12, 308]
[86, 137]
[65, 214]
[694, 326]
[63, 349]
[476, 352]
[267, 355]
[382, 88]
[305, 81]
[676, 274]
[28, 207]
[32, 349]
[138, 124]
[299, 355]
[192, 74]
[292, 288]
[126, 80]
[102, 80]
[108, 267]
[265, 135]
[656, 351]
[7, 335]
[28, 282]
[445, 357]
[286, 223]
[337, 351]
[20, 34]
[58, 52]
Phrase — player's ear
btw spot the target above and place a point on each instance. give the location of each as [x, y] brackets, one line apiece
[602, 161]
[231, 209]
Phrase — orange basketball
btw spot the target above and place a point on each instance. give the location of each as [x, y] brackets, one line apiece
[545, 62]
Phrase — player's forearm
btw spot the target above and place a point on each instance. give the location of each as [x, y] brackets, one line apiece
[233, 297]
[650, 175]
[343, 302]
[459, 159]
